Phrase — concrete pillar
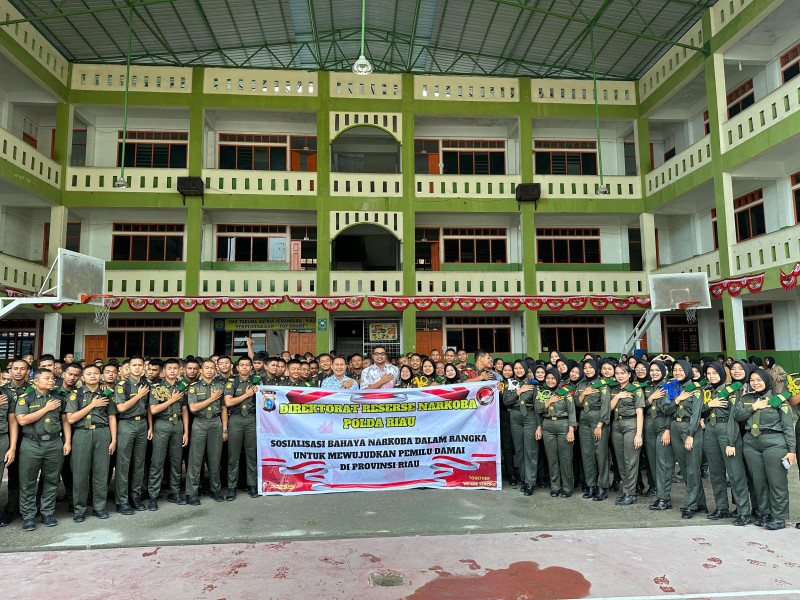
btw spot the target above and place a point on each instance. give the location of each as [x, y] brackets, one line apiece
[51, 334]
[734, 326]
[647, 229]
[58, 231]
[655, 337]
[708, 330]
[191, 323]
[410, 331]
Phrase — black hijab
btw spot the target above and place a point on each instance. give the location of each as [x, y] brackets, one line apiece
[748, 368]
[661, 367]
[687, 370]
[763, 374]
[595, 366]
[716, 366]
[646, 364]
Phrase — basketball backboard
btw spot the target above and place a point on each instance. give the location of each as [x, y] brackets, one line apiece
[669, 291]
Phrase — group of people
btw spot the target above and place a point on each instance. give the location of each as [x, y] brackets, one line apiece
[145, 420]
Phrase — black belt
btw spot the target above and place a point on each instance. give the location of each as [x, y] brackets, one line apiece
[173, 418]
[625, 417]
[43, 438]
[766, 431]
[720, 419]
[87, 427]
[556, 418]
[139, 418]
[683, 419]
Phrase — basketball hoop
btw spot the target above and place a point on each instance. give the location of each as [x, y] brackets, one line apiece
[691, 310]
[102, 307]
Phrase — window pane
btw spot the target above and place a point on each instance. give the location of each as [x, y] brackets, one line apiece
[465, 163]
[133, 343]
[227, 157]
[468, 251]
[542, 160]
[597, 339]
[224, 248]
[470, 340]
[482, 251]
[499, 251]
[242, 252]
[743, 225]
[486, 339]
[502, 340]
[564, 337]
[450, 162]
[589, 163]
[573, 163]
[544, 251]
[548, 339]
[174, 248]
[78, 158]
[576, 251]
[591, 250]
[156, 251]
[161, 156]
[244, 158]
[451, 253]
[560, 252]
[177, 156]
[497, 163]
[277, 249]
[277, 159]
[559, 163]
[152, 343]
[120, 249]
[116, 344]
[454, 338]
[260, 249]
[138, 247]
[481, 163]
[757, 222]
[170, 341]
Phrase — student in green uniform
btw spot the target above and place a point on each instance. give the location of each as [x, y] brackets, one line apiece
[40, 413]
[170, 434]
[94, 439]
[641, 373]
[557, 412]
[130, 397]
[240, 400]
[525, 424]
[592, 394]
[769, 446]
[15, 389]
[9, 429]
[292, 378]
[656, 436]
[209, 431]
[70, 381]
[627, 424]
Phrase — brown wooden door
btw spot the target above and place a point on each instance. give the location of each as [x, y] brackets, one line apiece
[428, 340]
[301, 342]
[433, 164]
[436, 264]
[94, 347]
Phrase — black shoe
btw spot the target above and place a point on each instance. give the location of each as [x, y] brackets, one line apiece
[639, 489]
[733, 514]
[125, 509]
[614, 486]
[152, 504]
[78, 518]
[217, 497]
[584, 488]
[704, 472]
[554, 493]
[625, 500]
[70, 508]
[762, 520]
[192, 500]
[590, 492]
[775, 524]
[6, 519]
[650, 493]
[138, 504]
[742, 520]
[231, 495]
[797, 525]
[686, 513]
[676, 479]
[566, 494]
[101, 514]
[253, 491]
[49, 521]
[512, 482]
[601, 495]
[718, 514]
[28, 525]
[201, 493]
[176, 499]
[660, 505]
[701, 508]
[542, 483]
[528, 491]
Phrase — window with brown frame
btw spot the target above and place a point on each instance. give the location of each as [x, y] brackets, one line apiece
[714, 229]
[307, 236]
[669, 154]
[680, 336]
[426, 248]
[759, 328]
[568, 246]
[796, 195]
[475, 245]
[722, 343]
[154, 149]
[252, 152]
[426, 157]
[17, 337]
[150, 242]
[740, 98]
[706, 126]
[629, 149]
[73, 241]
[565, 157]
[748, 211]
[492, 334]
[572, 333]
[473, 157]
[303, 149]
[790, 64]
[635, 258]
[251, 243]
[78, 157]
[147, 337]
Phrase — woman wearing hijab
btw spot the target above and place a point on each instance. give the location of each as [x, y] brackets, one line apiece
[686, 435]
[451, 374]
[723, 447]
[506, 441]
[627, 406]
[656, 436]
[574, 377]
[607, 373]
[641, 372]
[538, 374]
[592, 394]
[427, 376]
[769, 448]
[406, 377]
[557, 410]
[525, 425]
[776, 373]
[740, 371]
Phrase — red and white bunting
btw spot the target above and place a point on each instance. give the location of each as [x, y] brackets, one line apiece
[735, 285]
[789, 280]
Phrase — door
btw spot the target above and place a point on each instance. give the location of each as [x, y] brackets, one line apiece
[94, 347]
[433, 164]
[428, 340]
[300, 342]
[436, 264]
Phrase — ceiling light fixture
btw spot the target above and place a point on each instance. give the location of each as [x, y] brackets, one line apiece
[602, 190]
[122, 183]
[362, 66]
[740, 65]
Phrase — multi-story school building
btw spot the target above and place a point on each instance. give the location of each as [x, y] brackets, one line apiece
[344, 211]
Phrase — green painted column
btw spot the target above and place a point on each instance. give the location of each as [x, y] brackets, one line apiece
[641, 130]
[410, 330]
[409, 315]
[323, 285]
[62, 150]
[194, 237]
[196, 125]
[527, 217]
[191, 332]
[323, 335]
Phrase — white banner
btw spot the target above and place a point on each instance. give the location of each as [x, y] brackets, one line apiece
[313, 440]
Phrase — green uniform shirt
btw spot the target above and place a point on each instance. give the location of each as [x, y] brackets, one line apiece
[200, 392]
[12, 392]
[161, 393]
[126, 390]
[80, 398]
[562, 409]
[597, 400]
[50, 423]
[236, 386]
[767, 419]
[626, 407]
[298, 383]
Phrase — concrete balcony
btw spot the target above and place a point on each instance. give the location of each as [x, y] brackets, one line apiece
[101, 179]
[704, 263]
[22, 274]
[771, 250]
[111, 78]
[695, 156]
[581, 91]
[585, 186]
[366, 282]
[367, 185]
[146, 282]
[470, 283]
[30, 160]
[273, 183]
[257, 283]
[466, 186]
[560, 283]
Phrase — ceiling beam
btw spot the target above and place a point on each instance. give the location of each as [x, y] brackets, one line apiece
[87, 11]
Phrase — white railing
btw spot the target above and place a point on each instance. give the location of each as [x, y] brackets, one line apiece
[225, 181]
[579, 91]
[771, 109]
[257, 283]
[22, 274]
[111, 78]
[560, 283]
[585, 186]
[671, 61]
[724, 11]
[469, 283]
[391, 123]
[260, 82]
[101, 179]
[470, 89]
[372, 87]
[148, 282]
[691, 159]
[367, 184]
[34, 42]
[26, 157]
[466, 186]
[366, 282]
[707, 263]
[771, 250]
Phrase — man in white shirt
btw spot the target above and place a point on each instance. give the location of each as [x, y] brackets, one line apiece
[380, 375]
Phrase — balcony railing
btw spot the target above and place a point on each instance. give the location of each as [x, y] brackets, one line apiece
[691, 159]
[268, 283]
[366, 282]
[34, 42]
[22, 274]
[469, 283]
[367, 185]
[145, 282]
[466, 186]
[670, 62]
[724, 11]
[111, 78]
[378, 86]
[707, 263]
[771, 250]
[771, 109]
[101, 179]
[260, 82]
[585, 186]
[26, 157]
[225, 181]
[578, 91]
[559, 283]
[474, 89]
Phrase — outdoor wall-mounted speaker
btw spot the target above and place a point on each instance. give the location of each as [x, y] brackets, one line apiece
[190, 186]
[529, 192]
